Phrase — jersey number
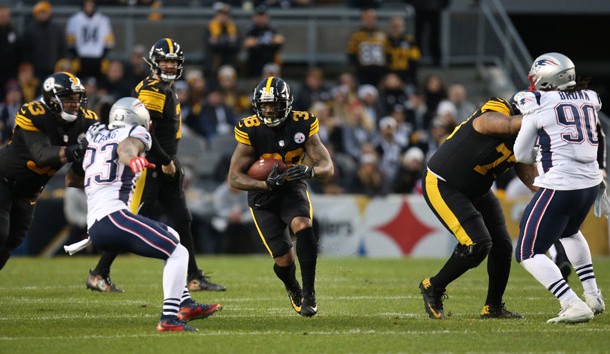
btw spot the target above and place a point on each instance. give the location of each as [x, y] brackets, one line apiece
[580, 119]
[505, 154]
[108, 153]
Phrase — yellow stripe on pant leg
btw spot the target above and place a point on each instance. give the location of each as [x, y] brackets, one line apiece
[136, 198]
[260, 233]
[443, 210]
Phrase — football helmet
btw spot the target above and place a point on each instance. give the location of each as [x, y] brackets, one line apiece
[128, 111]
[58, 89]
[272, 90]
[552, 71]
[166, 49]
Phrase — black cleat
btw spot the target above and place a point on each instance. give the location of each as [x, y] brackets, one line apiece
[490, 311]
[295, 298]
[97, 282]
[433, 299]
[199, 282]
[309, 308]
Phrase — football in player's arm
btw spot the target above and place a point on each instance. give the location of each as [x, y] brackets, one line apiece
[282, 200]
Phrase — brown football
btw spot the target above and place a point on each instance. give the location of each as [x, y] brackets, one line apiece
[261, 168]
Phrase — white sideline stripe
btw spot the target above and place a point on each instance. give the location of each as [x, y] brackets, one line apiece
[320, 333]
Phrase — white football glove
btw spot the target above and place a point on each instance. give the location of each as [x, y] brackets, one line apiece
[602, 203]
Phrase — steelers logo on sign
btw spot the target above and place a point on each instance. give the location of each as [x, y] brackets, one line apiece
[299, 138]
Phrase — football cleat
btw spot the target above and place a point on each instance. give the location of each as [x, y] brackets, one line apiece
[195, 311]
[294, 294]
[574, 312]
[101, 283]
[173, 324]
[199, 282]
[490, 311]
[309, 308]
[433, 299]
[595, 302]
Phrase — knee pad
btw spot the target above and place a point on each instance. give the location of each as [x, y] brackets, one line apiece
[473, 254]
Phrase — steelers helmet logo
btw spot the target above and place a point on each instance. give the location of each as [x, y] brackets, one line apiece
[299, 138]
[49, 84]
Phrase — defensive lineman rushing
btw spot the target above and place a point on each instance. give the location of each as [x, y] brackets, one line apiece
[560, 116]
[112, 163]
[278, 132]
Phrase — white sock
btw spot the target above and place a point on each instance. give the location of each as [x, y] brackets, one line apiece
[548, 274]
[577, 250]
[552, 253]
[174, 278]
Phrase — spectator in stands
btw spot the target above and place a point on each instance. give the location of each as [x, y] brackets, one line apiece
[328, 123]
[403, 52]
[393, 94]
[434, 91]
[403, 129]
[221, 42]
[90, 38]
[113, 83]
[313, 90]
[8, 110]
[136, 68]
[417, 113]
[389, 152]
[215, 117]
[263, 43]
[28, 83]
[196, 91]
[369, 180]
[366, 50]
[271, 69]
[43, 41]
[237, 100]
[457, 95]
[369, 96]
[9, 49]
[409, 175]
[428, 26]
[233, 221]
[357, 130]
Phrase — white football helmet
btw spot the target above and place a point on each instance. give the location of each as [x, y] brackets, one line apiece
[552, 71]
[128, 111]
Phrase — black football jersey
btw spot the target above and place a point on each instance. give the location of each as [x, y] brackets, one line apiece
[470, 161]
[285, 142]
[164, 107]
[16, 162]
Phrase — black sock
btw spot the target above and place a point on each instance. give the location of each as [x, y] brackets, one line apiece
[453, 269]
[183, 229]
[103, 265]
[287, 275]
[307, 252]
[498, 270]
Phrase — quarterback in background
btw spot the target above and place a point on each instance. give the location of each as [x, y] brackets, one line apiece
[112, 164]
[561, 132]
[278, 132]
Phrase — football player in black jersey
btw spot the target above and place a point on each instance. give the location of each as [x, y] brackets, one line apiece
[278, 132]
[457, 188]
[164, 183]
[47, 134]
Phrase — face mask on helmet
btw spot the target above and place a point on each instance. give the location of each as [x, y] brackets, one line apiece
[552, 71]
[128, 111]
[64, 94]
[169, 51]
[272, 101]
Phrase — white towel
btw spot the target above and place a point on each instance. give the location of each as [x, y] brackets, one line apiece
[78, 246]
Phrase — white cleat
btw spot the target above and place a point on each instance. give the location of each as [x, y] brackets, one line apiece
[574, 312]
[595, 302]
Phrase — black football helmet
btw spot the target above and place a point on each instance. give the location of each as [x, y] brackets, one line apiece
[272, 90]
[166, 49]
[60, 87]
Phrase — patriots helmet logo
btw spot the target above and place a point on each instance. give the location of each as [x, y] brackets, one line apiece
[545, 62]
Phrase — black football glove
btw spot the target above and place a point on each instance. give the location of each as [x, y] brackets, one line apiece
[297, 172]
[275, 179]
[76, 152]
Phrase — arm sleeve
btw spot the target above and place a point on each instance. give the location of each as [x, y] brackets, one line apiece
[156, 150]
[526, 139]
[39, 146]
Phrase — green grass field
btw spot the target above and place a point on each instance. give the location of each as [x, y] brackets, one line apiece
[365, 306]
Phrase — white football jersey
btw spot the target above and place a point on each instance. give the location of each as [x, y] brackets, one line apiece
[90, 35]
[559, 132]
[109, 184]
